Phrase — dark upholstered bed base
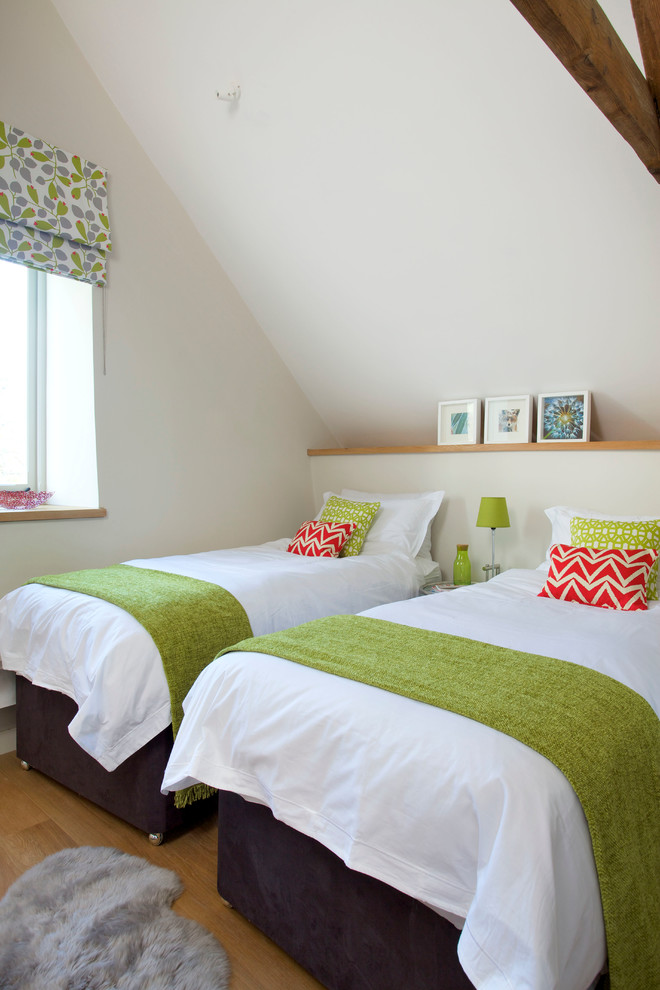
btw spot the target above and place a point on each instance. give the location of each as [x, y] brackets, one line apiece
[350, 931]
[131, 792]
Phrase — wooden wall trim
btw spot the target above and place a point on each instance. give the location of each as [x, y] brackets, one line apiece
[489, 448]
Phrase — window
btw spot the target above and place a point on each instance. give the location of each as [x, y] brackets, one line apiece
[47, 428]
[13, 376]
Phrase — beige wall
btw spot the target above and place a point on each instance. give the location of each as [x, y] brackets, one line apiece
[605, 481]
[201, 430]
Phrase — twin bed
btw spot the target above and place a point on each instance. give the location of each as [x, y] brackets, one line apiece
[93, 706]
[387, 842]
[384, 842]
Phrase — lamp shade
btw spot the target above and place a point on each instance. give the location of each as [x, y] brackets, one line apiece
[493, 513]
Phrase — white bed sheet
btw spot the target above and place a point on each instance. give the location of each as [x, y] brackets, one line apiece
[465, 819]
[100, 656]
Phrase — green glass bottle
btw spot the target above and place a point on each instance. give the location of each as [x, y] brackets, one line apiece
[462, 567]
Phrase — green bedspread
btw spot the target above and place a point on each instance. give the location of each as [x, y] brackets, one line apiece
[189, 621]
[603, 736]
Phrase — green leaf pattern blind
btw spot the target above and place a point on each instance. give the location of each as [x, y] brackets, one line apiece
[53, 208]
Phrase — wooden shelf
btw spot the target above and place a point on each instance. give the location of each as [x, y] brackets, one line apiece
[50, 512]
[490, 448]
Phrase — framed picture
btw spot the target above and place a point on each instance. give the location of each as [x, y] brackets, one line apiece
[508, 419]
[563, 416]
[459, 421]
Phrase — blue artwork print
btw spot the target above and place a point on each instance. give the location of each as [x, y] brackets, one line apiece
[459, 424]
[563, 418]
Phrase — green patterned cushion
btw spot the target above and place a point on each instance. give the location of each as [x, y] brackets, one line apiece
[342, 510]
[610, 534]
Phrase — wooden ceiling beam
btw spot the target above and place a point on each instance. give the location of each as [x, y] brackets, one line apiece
[647, 22]
[584, 41]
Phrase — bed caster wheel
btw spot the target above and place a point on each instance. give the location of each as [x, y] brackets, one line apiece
[226, 903]
[156, 838]
[25, 765]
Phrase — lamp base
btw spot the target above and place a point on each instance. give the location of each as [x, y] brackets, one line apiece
[491, 571]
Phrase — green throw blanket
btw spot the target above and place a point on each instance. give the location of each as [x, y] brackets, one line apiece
[603, 736]
[189, 621]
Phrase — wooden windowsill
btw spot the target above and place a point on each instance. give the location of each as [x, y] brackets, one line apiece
[50, 512]
[483, 448]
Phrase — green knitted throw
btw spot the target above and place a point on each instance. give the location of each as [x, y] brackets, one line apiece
[189, 621]
[604, 737]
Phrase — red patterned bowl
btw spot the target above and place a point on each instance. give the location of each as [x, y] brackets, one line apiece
[23, 500]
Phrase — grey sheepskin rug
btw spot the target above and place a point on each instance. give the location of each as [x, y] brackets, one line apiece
[96, 918]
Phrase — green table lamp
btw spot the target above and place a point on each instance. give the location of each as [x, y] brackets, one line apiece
[494, 514]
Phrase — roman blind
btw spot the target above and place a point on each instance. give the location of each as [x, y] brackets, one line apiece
[53, 208]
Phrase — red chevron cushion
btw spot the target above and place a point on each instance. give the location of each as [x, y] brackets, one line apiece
[605, 578]
[321, 539]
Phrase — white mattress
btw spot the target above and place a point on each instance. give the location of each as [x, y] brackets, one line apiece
[465, 819]
[105, 660]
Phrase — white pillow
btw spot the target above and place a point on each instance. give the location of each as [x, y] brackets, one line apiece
[560, 518]
[403, 521]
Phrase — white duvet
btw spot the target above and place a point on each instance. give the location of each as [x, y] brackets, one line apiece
[467, 820]
[100, 656]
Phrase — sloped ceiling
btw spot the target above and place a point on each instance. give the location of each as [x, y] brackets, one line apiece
[414, 198]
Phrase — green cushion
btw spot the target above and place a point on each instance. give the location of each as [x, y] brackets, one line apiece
[608, 534]
[342, 510]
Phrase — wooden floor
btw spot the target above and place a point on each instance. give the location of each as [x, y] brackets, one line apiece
[38, 817]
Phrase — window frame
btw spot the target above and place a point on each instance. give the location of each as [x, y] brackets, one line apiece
[37, 399]
[37, 356]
